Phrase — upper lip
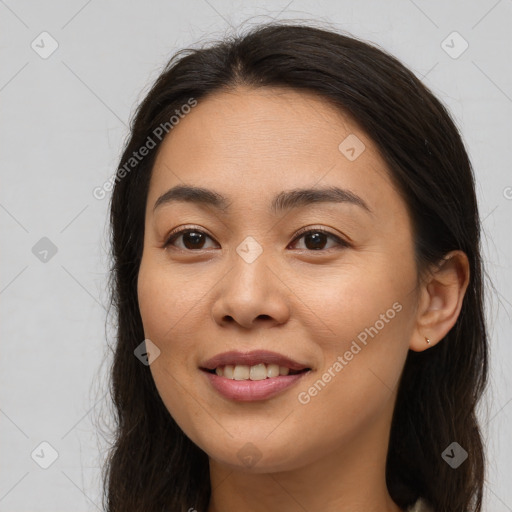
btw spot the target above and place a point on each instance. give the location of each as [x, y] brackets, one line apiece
[252, 358]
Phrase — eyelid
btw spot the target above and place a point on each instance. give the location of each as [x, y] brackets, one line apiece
[319, 229]
[175, 233]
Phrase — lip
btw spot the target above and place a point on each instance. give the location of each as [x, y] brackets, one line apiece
[252, 358]
[252, 390]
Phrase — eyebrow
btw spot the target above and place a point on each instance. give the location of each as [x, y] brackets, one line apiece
[285, 200]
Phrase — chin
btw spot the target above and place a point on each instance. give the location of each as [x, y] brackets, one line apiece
[256, 457]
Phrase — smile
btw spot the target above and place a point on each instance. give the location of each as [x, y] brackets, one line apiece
[259, 371]
[253, 376]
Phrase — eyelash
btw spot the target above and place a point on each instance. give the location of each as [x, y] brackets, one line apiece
[176, 234]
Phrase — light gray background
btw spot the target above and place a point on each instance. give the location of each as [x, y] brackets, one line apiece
[63, 122]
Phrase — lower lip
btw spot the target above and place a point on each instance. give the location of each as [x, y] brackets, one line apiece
[252, 390]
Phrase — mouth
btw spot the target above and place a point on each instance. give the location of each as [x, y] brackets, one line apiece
[260, 371]
[255, 365]
[253, 376]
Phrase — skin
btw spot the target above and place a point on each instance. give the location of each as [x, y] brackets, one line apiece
[328, 454]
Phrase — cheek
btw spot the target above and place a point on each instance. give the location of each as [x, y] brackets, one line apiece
[167, 302]
[358, 296]
[370, 314]
[169, 308]
[357, 384]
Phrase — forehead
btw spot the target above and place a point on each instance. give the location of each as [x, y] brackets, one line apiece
[251, 144]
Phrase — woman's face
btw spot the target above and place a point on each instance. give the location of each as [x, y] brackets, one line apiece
[244, 279]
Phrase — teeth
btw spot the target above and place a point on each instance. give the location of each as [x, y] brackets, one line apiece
[257, 372]
[272, 370]
[241, 372]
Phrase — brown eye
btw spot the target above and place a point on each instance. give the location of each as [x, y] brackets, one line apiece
[316, 239]
[191, 239]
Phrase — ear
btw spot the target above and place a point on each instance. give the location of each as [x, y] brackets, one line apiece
[440, 300]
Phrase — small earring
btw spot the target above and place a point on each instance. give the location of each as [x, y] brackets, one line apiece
[427, 340]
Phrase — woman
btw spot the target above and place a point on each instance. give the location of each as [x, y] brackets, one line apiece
[298, 287]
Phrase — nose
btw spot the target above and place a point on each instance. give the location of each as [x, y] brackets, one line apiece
[251, 294]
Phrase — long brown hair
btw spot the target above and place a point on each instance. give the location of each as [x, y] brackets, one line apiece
[152, 465]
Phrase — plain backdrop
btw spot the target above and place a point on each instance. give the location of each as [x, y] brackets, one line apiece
[64, 118]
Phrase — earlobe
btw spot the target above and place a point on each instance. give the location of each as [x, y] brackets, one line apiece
[440, 300]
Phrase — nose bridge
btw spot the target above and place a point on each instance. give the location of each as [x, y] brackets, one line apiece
[250, 261]
[250, 250]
